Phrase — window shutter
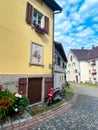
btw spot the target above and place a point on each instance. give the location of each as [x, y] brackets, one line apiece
[29, 11]
[22, 85]
[46, 24]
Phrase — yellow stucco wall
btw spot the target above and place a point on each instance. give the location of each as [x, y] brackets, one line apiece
[16, 37]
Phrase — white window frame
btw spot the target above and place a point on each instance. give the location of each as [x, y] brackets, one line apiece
[38, 14]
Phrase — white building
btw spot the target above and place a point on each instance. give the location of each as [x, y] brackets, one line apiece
[82, 65]
[60, 62]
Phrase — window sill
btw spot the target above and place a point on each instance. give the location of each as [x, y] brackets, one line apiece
[38, 29]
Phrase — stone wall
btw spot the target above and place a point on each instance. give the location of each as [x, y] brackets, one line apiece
[11, 81]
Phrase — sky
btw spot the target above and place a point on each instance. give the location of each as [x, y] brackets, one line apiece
[77, 25]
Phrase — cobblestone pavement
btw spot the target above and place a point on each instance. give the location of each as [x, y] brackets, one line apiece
[83, 115]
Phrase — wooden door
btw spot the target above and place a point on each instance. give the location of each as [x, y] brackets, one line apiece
[34, 89]
[48, 85]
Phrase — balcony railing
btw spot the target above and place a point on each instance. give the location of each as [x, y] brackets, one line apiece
[58, 68]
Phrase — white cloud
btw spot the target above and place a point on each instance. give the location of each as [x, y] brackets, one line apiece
[63, 27]
[95, 26]
[86, 32]
[95, 19]
[80, 28]
[77, 25]
[89, 7]
[57, 34]
[74, 1]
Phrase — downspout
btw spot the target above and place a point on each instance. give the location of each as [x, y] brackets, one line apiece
[53, 49]
[79, 72]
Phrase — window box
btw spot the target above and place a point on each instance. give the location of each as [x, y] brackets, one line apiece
[38, 28]
[93, 63]
[94, 73]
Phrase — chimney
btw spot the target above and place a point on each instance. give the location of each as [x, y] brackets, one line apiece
[82, 48]
[93, 46]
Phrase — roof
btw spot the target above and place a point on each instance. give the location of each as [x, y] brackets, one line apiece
[93, 53]
[81, 54]
[84, 54]
[53, 5]
[60, 49]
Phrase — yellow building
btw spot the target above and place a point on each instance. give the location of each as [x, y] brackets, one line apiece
[26, 37]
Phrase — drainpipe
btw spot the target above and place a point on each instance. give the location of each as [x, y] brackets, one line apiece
[53, 49]
[79, 72]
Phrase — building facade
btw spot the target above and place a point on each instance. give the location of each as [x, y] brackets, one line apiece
[83, 65]
[60, 62]
[26, 35]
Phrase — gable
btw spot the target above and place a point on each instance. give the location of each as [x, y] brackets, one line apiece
[60, 50]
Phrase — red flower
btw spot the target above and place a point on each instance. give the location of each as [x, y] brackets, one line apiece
[1, 99]
[5, 107]
[9, 99]
[1, 107]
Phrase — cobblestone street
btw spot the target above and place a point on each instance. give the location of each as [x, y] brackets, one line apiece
[83, 115]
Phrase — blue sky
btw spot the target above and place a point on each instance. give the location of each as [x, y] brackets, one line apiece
[77, 25]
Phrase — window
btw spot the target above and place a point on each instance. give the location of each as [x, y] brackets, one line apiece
[93, 60]
[73, 64]
[89, 71]
[37, 18]
[55, 58]
[58, 61]
[94, 70]
[64, 66]
[75, 71]
[68, 72]
[71, 58]
[34, 17]
[69, 65]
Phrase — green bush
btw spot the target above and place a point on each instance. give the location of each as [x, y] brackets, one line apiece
[11, 103]
[21, 102]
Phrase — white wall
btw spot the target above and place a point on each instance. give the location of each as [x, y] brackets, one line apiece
[94, 78]
[70, 72]
[84, 71]
[97, 70]
[83, 68]
[58, 80]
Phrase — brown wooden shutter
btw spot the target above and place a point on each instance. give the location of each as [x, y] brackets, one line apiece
[46, 24]
[29, 11]
[22, 85]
